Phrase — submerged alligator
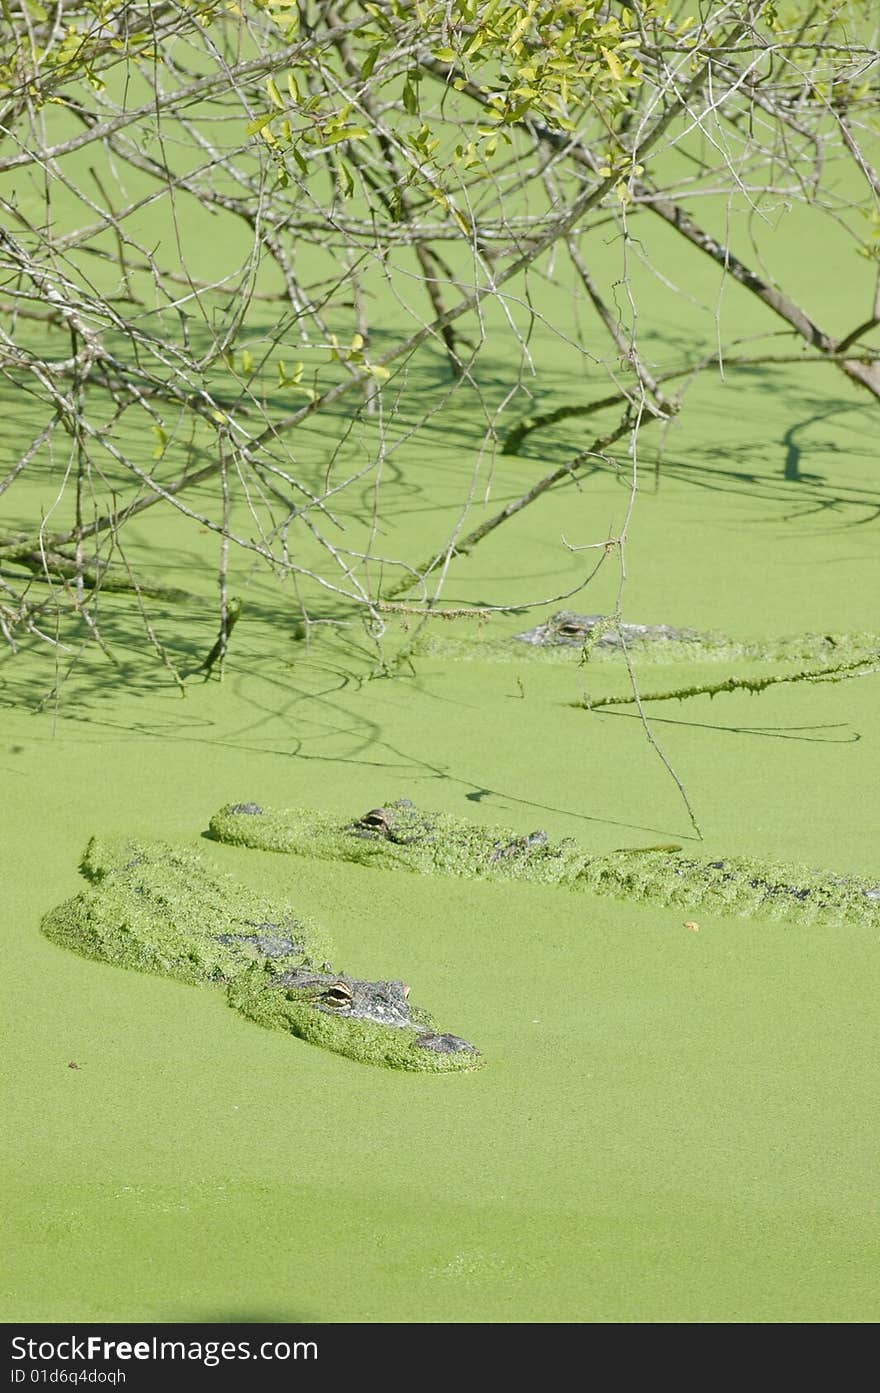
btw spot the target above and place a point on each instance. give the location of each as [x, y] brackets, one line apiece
[157, 908]
[400, 835]
[569, 630]
[566, 636]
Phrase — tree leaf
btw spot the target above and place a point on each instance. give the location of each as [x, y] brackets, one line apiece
[346, 133]
[614, 64]
[260, 124]
[369, 62]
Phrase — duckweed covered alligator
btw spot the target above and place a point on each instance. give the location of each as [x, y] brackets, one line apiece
[565, 634]
[400, 835]
[157, 908]
[569, 630]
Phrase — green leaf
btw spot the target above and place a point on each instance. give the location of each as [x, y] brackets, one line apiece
[614, 64]
[369, 62]
[346, 133]
[260, 124]
[346, 182]
[410, 100]
[162, 440]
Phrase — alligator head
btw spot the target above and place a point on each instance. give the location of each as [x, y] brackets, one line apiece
[385, 1003]
[399, 822]
[569, 630]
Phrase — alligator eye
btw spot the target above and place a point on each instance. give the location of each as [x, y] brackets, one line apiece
[338, 995]
[377, 818]
[570, 630]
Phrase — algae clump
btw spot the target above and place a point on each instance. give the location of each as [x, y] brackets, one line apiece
[158, 908]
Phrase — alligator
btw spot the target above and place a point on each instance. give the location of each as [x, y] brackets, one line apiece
[158, 908]
[567, 636]
[569, 630]
[398, 835]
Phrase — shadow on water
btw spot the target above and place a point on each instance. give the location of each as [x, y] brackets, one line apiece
[814, 494]
[795, 451]
[792, 471]
[716, 469]
[296, 708]
[431, 472]
[308, 713]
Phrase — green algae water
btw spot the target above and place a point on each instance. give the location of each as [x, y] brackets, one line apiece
[673, 1124]
[670, 1125]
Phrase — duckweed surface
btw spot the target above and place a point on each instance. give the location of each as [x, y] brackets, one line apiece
[674, 1124]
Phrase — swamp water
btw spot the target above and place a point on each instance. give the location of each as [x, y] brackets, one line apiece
[673, 1123]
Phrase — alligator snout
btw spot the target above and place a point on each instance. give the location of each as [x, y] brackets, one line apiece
[444, 1044]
